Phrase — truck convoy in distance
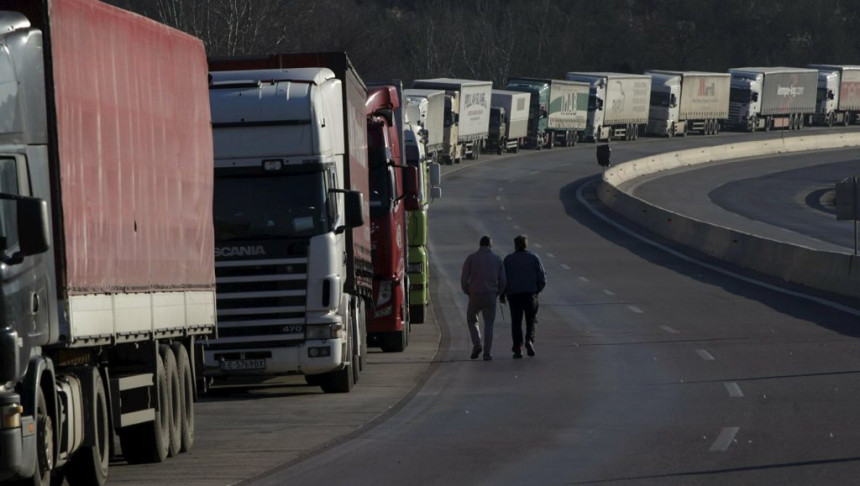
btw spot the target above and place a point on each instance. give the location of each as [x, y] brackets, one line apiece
[838, 98]
[292, 234]
[509, 120]
[685, 102]
[558, 111]
[618, 104]
[426, 108]
[107, 240]
[467, 117]
[393, 192]
[771, 97]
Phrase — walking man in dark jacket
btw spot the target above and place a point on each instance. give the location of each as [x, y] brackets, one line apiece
[483, 280]
[526, 278]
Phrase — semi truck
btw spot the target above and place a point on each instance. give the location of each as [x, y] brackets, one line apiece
[685, 102]
[292, 235]
[838, 96]
[425, 108]
[558, 111]
[429, 188]
[468, 115]
[618, 104]
[393, 192]
[509, 118]
[763, 98]
[106, 236]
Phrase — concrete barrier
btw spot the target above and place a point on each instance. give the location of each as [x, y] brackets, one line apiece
[838, 273]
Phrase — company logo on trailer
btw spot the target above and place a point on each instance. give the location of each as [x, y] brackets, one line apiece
[478, 101]
[706, 89]
[239, 251]
[786, 91]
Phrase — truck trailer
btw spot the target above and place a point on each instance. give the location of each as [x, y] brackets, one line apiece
[426, 108]
[558, 113]
[509, 118]
[685, 102]
[292, 218]
[618, 104]
[763, 98]
[468, 116]
[107, 240]
[838, 97]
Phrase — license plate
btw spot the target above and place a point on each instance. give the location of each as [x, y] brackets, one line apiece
[243, 364]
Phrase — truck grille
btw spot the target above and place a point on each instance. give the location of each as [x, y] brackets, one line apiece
[261, 297]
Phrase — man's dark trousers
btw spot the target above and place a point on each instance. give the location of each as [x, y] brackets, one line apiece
[523, 305]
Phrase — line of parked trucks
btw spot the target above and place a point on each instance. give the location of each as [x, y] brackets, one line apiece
[134, 275]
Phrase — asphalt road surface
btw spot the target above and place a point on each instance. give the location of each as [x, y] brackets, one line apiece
[651, 367]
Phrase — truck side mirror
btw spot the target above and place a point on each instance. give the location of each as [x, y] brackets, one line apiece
[754, 97]
[830, 94]
[673, 100]
[435, 170]
[353, 202]
[411, 188]
[33, 230]
[599, 104]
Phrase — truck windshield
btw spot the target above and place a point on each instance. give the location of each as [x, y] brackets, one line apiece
[270, 206]
[740, 95]
[660, 99]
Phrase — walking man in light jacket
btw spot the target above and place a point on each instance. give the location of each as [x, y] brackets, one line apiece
[483, 280]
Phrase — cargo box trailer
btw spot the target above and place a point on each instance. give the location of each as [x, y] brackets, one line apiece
[763, 98]
[685, 102]
[618, 104]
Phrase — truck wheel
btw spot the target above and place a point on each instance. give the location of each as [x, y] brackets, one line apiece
[753, 124]
[89, 465]
[338, 381]
[44, 444]
[174, 407]
[148, 442]
[416, 314]
[829, 121]
[846, 120]
[186, 384]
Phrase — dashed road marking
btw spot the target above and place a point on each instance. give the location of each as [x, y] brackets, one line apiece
[705, 355]
[550, 255]
[734, 390]
[608, 292]
[670, 330]
[584, 279]
[725, 439]
[635, 309]
[565, 266]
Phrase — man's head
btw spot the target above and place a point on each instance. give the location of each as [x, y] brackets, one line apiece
[521, 242]
[486, 241]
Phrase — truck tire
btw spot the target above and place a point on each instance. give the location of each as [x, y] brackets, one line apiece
[89, 465]
[338, 381]
[416, 313]
[186, 384]
[44, 445]
[174, 408]
[148, 442]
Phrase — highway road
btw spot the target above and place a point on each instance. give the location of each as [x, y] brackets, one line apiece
[651, 367]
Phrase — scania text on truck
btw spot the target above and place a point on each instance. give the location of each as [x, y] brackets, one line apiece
[509, 117]
[292, 233]
[393, 192]
[771, 97]
[838, 96]
[685, 102]
[107, 270]
[471, 118]
[425, 108]
[416, 135]
[618, 104]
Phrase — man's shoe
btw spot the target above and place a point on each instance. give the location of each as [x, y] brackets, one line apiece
[530, 348]
[476, 351]
[488, 357]
[518, 355]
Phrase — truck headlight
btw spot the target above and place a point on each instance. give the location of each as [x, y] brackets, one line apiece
[10, 416]
[384, 295]
[324, 331]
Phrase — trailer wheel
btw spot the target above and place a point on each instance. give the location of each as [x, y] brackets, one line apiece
[174, 408]
[416, 313]
[186, 385]
[148, 442]
[89, 465]
[829, 120]
[846, 120]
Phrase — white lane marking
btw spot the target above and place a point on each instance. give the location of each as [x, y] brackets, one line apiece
[550, 255]
[713, 268]
[565, 266]
[584, 279]
[608, 292]
[498, 198]
[670, 330]
[705, 355]
[734, 390]
[725, 439]
[501, 208]
[509, 218]
[538, 246]
[635, 309]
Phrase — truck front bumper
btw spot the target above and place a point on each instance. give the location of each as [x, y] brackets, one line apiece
[307, 358]
[11, 444]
